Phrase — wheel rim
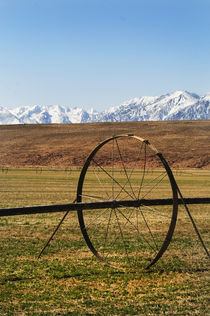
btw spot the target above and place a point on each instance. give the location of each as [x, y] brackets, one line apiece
[126, 167]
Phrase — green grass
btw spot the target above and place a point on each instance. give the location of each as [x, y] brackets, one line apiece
[68, 280]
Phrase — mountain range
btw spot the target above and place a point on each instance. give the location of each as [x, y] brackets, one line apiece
[179, 105]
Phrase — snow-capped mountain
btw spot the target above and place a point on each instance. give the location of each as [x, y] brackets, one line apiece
[179, 105]
[6, 117]
[166, 107]
[48, 114]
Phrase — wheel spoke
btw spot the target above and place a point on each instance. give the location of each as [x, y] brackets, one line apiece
[136, 228]
[107, 230]
[100, 214]
[124, 226]
[147, 225]
[93, 197]
[144, 168]
[113, 179]
[150, 209]
[121, 233]
[113, 170]
[156, 184]
[101, 184]
[124, 169]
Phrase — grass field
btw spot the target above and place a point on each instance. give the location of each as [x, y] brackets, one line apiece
[68, 280]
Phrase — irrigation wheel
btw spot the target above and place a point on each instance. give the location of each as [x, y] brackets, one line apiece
[127, 167]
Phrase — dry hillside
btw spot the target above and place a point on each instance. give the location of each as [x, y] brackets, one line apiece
[185, 144]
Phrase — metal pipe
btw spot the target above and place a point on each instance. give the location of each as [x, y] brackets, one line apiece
[97, 205]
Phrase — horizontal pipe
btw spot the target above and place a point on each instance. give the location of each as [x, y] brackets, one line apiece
[97, 205]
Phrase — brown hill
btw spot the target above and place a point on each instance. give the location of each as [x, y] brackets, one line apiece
[185, 144]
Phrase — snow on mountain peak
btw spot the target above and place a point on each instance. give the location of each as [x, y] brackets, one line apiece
[7, 117]
[206, 97]
[178, 105]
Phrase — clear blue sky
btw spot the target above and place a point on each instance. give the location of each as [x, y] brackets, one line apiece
[99, 53]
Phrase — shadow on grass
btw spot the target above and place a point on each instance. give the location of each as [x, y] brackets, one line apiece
[14, 279]
[99, 273]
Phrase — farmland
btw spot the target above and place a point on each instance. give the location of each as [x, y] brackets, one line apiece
[68, 279]
[185, 144]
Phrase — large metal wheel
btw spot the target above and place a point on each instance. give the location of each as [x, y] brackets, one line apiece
[127, 167]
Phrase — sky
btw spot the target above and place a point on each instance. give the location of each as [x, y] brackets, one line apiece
[100, 53]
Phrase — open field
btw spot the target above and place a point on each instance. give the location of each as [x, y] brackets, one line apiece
[185, 144]
[41, 165]
[68, 280]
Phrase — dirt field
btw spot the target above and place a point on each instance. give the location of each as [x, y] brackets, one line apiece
[185, 144]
